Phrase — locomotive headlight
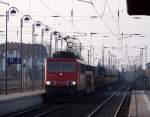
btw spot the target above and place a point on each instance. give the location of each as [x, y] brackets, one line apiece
[73, 83]
[48, 82]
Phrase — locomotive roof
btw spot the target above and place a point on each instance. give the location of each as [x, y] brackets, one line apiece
[65, 54]
[66, 59]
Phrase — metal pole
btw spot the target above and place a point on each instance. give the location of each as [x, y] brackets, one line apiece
[80, 48]
[109, 59]
[90, 54]
[88, 57]
[21, 26]
[145, 55]
[6, 62]
[33, 30]
[93, 56]
[50, 51]
[61, 44]
[55, 43]
[146, 79]
[103, 56]
[142, 58]
[42, 59]
[115, 62]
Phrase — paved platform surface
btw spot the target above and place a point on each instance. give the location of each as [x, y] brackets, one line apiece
[19, 101]
[11, 96]
[140, 104]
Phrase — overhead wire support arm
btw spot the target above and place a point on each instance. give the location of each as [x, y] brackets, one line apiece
[103, 20]
[85, 1]
[100, 17]
[4, 3]
[108, 27]
[55, 13]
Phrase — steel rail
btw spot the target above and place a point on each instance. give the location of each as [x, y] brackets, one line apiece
[52, 110]
[91, 114]
[119, 107]
[27, 110]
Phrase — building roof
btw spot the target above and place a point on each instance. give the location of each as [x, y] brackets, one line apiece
[28, 50]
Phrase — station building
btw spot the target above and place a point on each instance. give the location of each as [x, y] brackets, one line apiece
[32, 57]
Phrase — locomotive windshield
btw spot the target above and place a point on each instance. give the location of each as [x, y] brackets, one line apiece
[61, 67]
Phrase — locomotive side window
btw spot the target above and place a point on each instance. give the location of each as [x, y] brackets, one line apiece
[61, 67]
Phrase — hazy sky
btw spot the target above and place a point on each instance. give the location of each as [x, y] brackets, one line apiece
[106, 24]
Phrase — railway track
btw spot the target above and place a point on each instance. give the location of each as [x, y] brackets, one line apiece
[17, 114]
[58, 108]
[81, 107]
[110, 107]
[39, 111]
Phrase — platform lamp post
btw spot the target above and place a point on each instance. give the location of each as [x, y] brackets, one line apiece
[26, 19]
[50, 48]
[44, 29]
[36, 24]
[11, 11]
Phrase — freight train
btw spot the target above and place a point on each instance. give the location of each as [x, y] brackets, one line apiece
[67, 73]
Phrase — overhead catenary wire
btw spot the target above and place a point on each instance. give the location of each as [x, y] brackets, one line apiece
[53, 11]
[111, 12]
[100, 17]
[104, 8]
[104, 22]
[117, 21]
[57, 14]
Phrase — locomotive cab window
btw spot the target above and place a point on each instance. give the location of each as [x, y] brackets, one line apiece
[61, 66]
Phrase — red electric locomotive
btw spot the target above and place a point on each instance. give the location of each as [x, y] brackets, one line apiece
[66, 73]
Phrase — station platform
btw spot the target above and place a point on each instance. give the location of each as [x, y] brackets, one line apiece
[12, 96]
[19, 101]
[140, 104]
